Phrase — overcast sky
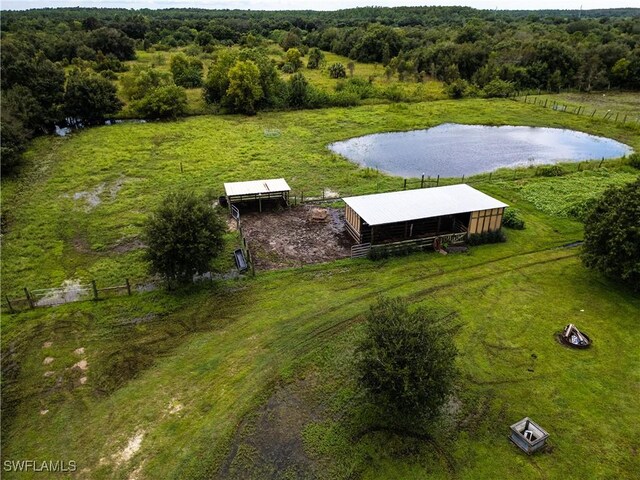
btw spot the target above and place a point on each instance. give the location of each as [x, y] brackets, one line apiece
[316, 4]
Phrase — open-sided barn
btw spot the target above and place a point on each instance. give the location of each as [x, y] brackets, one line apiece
[257, 191]
[422, 213]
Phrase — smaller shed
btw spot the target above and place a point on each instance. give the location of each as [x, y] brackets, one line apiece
[257, 191]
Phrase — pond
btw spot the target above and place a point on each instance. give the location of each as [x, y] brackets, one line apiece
[453, 150]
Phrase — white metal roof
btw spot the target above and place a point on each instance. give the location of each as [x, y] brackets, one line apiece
[406, 205]
[256, 186]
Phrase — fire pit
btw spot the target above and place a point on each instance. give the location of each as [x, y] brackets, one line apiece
[528, 435]
[573, 337]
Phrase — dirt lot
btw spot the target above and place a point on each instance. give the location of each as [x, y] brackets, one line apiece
[297, 236]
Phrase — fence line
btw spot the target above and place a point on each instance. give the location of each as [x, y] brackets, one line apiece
[578, 109]
[69, 292]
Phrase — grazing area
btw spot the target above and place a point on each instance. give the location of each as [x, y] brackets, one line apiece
[253, 377]
[297, 236]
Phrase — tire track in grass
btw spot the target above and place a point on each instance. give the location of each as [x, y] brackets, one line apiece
[325, 330]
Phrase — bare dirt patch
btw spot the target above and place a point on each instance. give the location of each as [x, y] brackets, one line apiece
[296, 236]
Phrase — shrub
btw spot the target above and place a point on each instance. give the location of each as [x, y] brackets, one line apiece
[496, 236]
[345, 99]
[512, 219]
[550, 171]
[163, 102]
[406, 361]
[634, 160]
[336, 70]
[457, 88]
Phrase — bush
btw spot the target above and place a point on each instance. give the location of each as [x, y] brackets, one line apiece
[550, 171]
[163, 102]
[612, 234]
[345, 99]
[496, 236]
[634, 160]
[457, 89]
[336, 70]
[183, 236]
[512, 219]
[406, 361]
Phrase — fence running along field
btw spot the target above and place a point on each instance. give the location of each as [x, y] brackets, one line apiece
[70, 291]
[591, 112]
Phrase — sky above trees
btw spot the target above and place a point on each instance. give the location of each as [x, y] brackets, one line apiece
[316, 4]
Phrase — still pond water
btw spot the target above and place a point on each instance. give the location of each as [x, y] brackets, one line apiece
[453, 150]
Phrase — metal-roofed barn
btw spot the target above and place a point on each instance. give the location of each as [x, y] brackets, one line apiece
[423, 213]
[257, 191]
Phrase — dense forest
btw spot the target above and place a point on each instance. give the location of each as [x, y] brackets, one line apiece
[62, 64]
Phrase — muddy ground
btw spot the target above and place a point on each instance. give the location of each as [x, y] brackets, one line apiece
[297, 236]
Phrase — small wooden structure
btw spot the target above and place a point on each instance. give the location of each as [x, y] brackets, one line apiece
[453, 212]
[528, 435]
[257, 191]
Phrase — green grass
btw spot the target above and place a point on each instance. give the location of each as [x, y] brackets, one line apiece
[130, 167]
[220, 351]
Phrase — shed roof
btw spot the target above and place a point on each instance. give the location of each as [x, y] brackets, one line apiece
[255, 187]
[406, 205]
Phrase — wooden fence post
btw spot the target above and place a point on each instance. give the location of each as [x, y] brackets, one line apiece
[422, 181]
[95, 289]
[438, 181]
[11, 310]
[490, 175]
[462, 181]
[29, 299]
[181, 169]
[600, 164]
[128, 286]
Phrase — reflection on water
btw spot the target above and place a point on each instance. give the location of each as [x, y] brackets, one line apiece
[453, 150]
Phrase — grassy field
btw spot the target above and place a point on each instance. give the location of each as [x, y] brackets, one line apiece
[251, 378]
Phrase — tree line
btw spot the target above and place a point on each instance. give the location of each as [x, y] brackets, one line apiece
[61, 64]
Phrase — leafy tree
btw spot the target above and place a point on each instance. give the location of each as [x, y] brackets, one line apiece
[114, 41]
[168, 101]
[14, 137]
[90, 97]
[217, 82]
[291, 40]
[612, 234]
[244, 90]
[299, 90]
[406, 360]
[316, 58]
[141, 80]
[294, 58]
[457, 88]
[186, 71]
[183, 236]
[336, 70]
